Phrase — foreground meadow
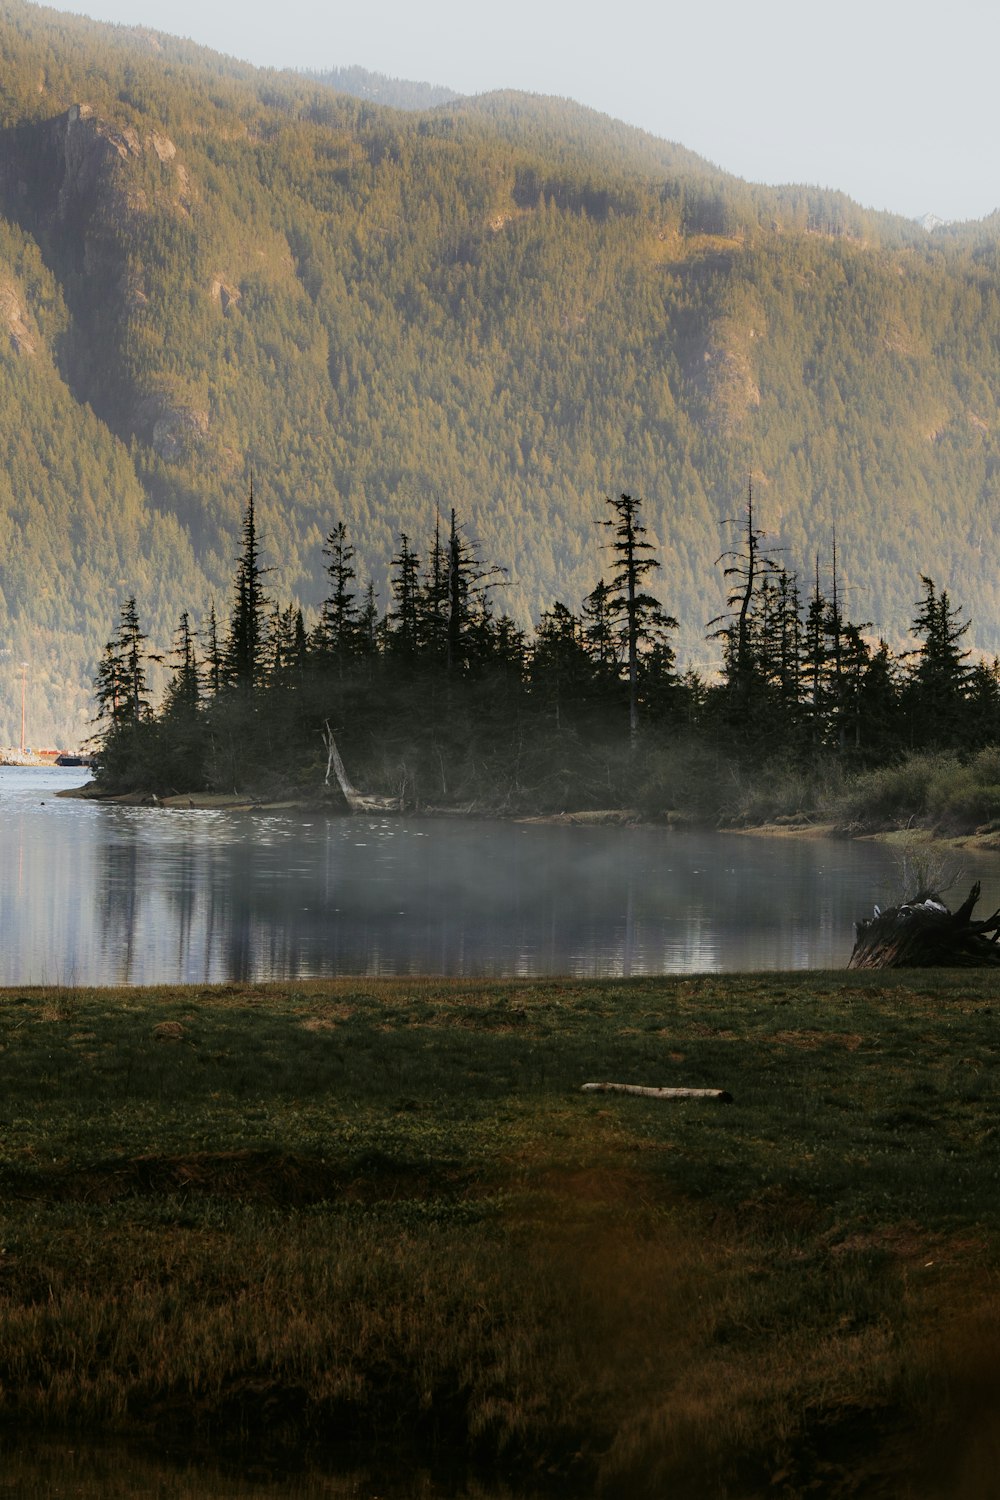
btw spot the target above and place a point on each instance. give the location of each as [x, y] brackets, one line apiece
[332, 1218]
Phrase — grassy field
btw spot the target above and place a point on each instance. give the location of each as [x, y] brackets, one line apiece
[381, 1216]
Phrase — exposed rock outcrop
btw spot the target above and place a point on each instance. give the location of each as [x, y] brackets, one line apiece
[163, 146]
[723, 366]
[91, 151]
[12, 314]
[727, 374]
[225, 293]
[171, 426]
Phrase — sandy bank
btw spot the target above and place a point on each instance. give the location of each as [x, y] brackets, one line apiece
[200, 801]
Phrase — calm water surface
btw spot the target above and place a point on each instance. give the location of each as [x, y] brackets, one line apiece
[93, 894]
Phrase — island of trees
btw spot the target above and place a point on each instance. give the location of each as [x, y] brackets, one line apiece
[440, 700]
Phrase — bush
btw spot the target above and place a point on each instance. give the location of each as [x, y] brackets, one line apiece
[933, 790]
[893, 795]
[692, 778]
[972, 795]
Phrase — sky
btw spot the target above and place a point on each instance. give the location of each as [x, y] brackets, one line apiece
[891, 101]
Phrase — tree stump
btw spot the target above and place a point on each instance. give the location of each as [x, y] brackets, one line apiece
[922, 933]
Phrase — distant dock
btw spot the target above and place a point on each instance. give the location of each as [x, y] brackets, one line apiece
[10, 755]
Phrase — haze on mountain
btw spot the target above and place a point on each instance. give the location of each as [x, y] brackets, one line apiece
[890, 103]
[508, 304]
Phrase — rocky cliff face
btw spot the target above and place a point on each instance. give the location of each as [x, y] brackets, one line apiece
[96, 185]
[62, 178]
[12, 313]
[88, 189]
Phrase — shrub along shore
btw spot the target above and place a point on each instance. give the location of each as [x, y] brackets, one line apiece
[312, 1220]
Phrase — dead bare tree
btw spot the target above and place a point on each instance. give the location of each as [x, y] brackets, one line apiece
[360, 802]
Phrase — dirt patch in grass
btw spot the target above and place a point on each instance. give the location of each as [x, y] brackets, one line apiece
[168, 1031]
[598, 1186]
[811, 1039]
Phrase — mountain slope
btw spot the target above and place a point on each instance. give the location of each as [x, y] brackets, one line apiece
[397, 93]
[508, 304]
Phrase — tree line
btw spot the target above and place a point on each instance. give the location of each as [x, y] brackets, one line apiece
[440, 697]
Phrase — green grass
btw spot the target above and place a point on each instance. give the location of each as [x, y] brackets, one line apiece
[337, 1217]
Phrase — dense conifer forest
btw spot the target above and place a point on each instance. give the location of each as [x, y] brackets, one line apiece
[440, 700]
[508, 305]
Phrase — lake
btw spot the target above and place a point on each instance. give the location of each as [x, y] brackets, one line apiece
[101, 894]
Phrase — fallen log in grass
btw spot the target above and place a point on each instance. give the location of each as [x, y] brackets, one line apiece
[722, 1095]
[922, 934]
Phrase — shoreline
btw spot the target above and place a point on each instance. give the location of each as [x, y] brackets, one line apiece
[184, 801]
[980, 841]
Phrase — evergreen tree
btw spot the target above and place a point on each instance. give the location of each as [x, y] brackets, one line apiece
[835, 660]
[815, 660]
[432, 603]
[560, 672]
[120, 686]
[984, 704]
[509, 647]
[338, 635]
[457, 596]
[131, 643]
[938, 684]
[785, 649]
[183, 692]
[467, 607]
[879, 707]
[369, 625]
[288, 645]
[854, 662]
[404, 621]
[643, 618]
[213, 661]
[663, 697]
[174, 753]
[244, 661]
[123, 705]
[600, 638]
[108, 686]
[743, 666]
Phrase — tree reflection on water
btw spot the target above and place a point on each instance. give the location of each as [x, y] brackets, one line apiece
[109, 895]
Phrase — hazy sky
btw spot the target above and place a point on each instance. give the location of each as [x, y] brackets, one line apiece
[893, 101]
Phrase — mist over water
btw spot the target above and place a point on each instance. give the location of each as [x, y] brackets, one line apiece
[93, 894]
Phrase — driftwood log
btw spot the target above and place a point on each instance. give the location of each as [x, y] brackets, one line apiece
[922, 933]
[652, 1093]
[358, 802]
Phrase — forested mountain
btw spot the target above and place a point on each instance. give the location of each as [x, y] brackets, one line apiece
[508, 304]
